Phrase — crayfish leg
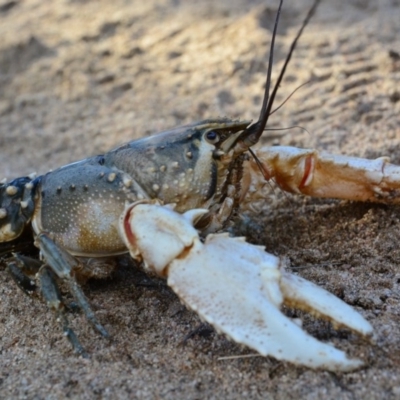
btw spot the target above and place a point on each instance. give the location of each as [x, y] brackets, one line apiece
[52, 295]
[22, 269]
[64, 265]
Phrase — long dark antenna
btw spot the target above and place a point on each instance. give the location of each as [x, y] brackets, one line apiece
[254, 132]
[270, 62]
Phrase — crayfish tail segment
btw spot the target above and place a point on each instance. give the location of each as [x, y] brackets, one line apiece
[238, 287]
[309, 172]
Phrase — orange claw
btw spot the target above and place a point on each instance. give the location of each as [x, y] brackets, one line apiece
[309, 172]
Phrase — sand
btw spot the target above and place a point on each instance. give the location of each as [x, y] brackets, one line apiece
[80, 77]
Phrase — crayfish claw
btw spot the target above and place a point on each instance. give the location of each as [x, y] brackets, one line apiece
[305, 295]
[239, 288]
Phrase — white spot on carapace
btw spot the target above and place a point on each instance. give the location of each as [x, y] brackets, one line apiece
[24, 204]
[3, 213]
[156, 188]
[32, 175]
[175, 164]
[163, 168]
[29, 186]
[127, 181]
[111, 177]
[6, 233]
[11, 190]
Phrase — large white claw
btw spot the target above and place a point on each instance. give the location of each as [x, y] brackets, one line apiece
[238, 287]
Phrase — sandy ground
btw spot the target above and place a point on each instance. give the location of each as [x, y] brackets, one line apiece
[79, 77]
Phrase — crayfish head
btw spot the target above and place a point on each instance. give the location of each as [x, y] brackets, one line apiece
[189, 166]
[223, 134]
[16, 207]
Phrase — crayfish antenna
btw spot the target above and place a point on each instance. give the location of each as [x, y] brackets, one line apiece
[252, 134]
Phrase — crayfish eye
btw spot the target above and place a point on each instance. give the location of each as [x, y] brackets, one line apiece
[212, 137]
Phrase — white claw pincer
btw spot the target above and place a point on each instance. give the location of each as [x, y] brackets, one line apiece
[237, 287]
